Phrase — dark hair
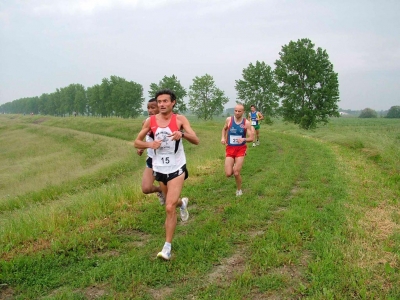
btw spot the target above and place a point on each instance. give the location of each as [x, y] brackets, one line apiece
[253, 106]
[153, 100]
[166, 92]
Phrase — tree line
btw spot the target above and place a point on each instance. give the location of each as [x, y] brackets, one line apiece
[392, 113]
[303, 89]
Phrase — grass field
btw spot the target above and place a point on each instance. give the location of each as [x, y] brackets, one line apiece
[319, 217]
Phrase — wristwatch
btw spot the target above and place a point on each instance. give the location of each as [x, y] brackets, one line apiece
[183, 134]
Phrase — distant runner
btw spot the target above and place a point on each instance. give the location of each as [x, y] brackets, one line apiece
[234, 136]
[254, 117]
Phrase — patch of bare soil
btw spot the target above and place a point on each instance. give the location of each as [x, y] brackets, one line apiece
[161, 293]
[6, 292]
[228, 269]
[110, 253]
[94, 292]
[141, 238]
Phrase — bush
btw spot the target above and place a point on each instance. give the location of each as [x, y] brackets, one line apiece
[368, 113]
[394, 112]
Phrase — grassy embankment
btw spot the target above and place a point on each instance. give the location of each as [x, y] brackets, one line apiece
[319, 218]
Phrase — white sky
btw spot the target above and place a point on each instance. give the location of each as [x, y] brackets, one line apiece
[49, 44]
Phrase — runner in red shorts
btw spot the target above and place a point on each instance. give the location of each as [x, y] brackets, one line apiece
[234, 136]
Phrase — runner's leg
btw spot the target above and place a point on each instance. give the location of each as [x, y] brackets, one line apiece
[229, 162]
[236, 171]
[148, 186]
[173, 191]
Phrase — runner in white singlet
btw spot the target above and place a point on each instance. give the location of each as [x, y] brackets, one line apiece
[169, 161]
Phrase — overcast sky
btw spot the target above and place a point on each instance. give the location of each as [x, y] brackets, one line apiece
[49, 44]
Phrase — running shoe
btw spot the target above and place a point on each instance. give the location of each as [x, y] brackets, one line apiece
[254, 144]
[161, 198]
[184, 210]
[164, 254]
[239, 193]
[258, 143]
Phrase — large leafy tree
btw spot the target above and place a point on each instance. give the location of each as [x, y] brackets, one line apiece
[258, 87]
[394, 112]
[308, 85]
[173, 84]
[126, 97]
[205, 99]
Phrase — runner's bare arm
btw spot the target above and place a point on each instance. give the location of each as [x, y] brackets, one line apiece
[189, 133]
[250, 132]
[224, 131]
[260, 116]
[139, 143]
[140, 151]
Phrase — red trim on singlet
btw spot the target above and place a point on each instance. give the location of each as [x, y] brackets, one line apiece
[173, 124]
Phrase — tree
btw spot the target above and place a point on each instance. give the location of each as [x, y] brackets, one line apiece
[368, 113]
[394, 112]
[93, 95]
[126, 97]
[205, 99]
[308, 85]
[173, 84]
[258, 87]
[105, 104]
[80, 101]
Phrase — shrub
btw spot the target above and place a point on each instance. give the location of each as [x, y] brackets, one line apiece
[394, 112]
[368, 113]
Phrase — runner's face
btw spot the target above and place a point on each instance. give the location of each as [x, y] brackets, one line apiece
[253, 109]
[152, 108]
[239, 111]
[165, 104]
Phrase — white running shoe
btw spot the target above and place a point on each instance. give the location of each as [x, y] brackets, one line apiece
[184, 210]
[258, 143]
[254, 144]
[164, 254]
[161, 198]
[239, 193]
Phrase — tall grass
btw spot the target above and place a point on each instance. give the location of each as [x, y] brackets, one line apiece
[319, 218]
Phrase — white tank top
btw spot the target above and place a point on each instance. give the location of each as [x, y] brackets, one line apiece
[170, 157]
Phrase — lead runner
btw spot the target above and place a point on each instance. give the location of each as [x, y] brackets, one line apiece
[169, 161]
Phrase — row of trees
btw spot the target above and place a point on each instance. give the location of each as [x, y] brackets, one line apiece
[114, 96]
[303, 82]
[394, 112]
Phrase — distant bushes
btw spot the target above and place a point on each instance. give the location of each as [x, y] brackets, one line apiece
[394, 112]
[368, 113]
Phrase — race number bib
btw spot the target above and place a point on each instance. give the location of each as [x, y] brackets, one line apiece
[253, 122]
[234, 139]
[165, 160]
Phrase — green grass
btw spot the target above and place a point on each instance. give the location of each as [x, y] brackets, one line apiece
[319, 217]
